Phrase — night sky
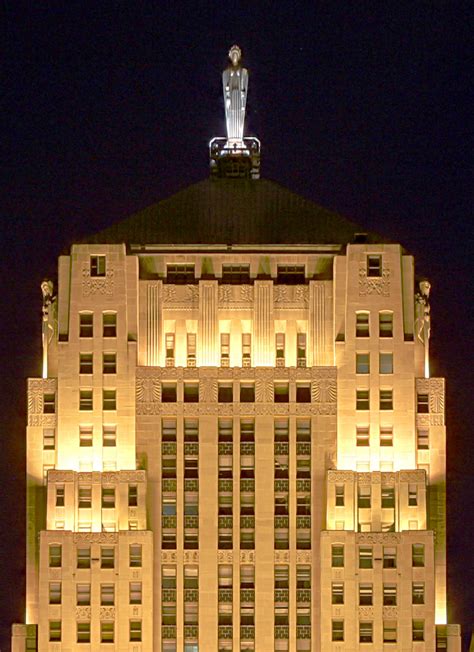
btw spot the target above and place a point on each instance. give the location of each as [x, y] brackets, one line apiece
[362, 107]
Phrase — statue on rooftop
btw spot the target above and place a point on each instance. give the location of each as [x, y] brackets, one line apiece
[235, 83]
[47, 330]
[423, 320]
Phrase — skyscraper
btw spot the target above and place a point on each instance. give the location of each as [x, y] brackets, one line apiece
[236, 443]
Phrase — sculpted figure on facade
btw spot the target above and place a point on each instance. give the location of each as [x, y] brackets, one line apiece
[47, 330]
[235, 83]
[423, 320]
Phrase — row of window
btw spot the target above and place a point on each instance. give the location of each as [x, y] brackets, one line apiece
[363, 324]
[389, 631]
[389, 594]
[364, 494]
[86, 399]
[109, 324]
[389, 556]
[106, 596]
[107, 631]
[106, 559]
[108, 496]
[363, 363]
[385, 399]
[109, 363]
[226, 394]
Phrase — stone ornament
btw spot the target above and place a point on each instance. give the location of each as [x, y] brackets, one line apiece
[379, 285]
[97, 285]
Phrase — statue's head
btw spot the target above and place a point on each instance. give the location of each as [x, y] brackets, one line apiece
[425, 287]
[47, 288]
[235, 54]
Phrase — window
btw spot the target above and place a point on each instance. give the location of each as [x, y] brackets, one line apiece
[135, 631]
[366, 594]
[389, 557]
[247, 392]
[107, 631]
[54, 631]
[60, 496]
[301, 349]
[418, 593]
[365, 557]
[132, 495]
[109, 436]
[83, 557]
[386, 363]
[84, 632]
[374, 265]
[168, 392]
[337, 593]
[86, 324]
[83, 595]
[363, 496]
[55, 593]
[412, 495]
[49, 439]
[418, 555]
[339, 495]
[49, 404]
[107, 557]
[225, 393]
[85, 399]
[225, 349]
[97, 266]
[303, 577]
[386, 399]
[85, 363]
[109, 324]
[386, 436]
[418, 630]
[385, 324]
[236, 274]
[108, 497]
[362, 436]
[191, 349]
[169, 346]
[180, 273]
[422, 403]
[291, 274]
[362, 324]
[85, 436]
[109, 399]
[389, 631]
[337, 630]
[135, 556]
[55, 556]
[388, 497]
[281, 393]
[280, 347]
[135, 592]
[303, 393]
[337, 556]
[389, 595]
[246, 349]
[191, 392]
[362, 399]
[362, 363]
[366, 632]
[422, 439]
[109, 363]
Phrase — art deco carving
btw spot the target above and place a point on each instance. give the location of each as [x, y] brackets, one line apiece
[436, 395]
[225, 557]
[303, 556]
[379, 537]
[247, 556]
[132, 476]
[191, 556]
[363, 478]
[55, 574]
[61, 476]
[390, 612]
[340, 476]
[417, 475]
[422, 420]
[95, 537]
[208, 389]
[366, 612]
[83, 612]
[103, 285]
[107, 612]
[169, 557]
[374, 285]
[235, 297]
[290, 296]
[36, 390]
[282, 556]
[437, 420]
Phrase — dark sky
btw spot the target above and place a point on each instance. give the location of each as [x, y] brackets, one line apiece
[361, 107]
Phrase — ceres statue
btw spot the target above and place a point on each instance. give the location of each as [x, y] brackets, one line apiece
[234, 82]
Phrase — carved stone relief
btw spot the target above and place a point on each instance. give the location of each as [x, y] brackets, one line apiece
[95, 537]
[103, 285]
[282, 556]
[374, 285]
[169, 557]
[303, 556]
[180, 297]
[290, 296]
[247, 556]
[37, 387]
[235, 297]
[191, 556]
[83, 612]
[379, 537]
[340, 476]
[208, 390]
[107, 612]
[225, 557]
[436, 395]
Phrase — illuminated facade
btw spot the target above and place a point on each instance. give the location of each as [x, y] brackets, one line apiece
[236, 443]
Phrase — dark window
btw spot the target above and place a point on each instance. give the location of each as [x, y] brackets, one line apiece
[362, 324]
[107, 557]
[366, 632]
[108, 497]
[418, 593]
[97, 266]
[85, 399]
[135, 556]
[225, 393]
[386, 399]
[303, 393]
[337, 593]
[282, 393]
[374, 265]
[132, 495]
[109, 324]
[365, 557]
[84, 557]
[362, 399]
[422, 403]
[86, 325]
[168, 392]
[109, 399]
[418, 630]
[389, 595]
[364, 497]
[85, 363]
[362, 363]
[55, 556]
[247, 392]
[337, 630]
[337, 556]
[84, 632]
[191, 392]
[418, 555]
[109, 436]
[109, 363]
[49, 404]
[340, 495]
[236, 274]
[388, 497]
[385, 324]
[180, 274]
[291, 274]
[60, 496]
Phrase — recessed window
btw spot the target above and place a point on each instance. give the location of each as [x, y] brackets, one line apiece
[109, 363]
[180, 273]
[281, 393]
[97, 266]
[191, 349]
[247, 392]
[86, 325]
[54, 631]
[366, 557]
[85, 399]
[85, 363]
[84, 632]
[168, 392]
[337, 630]
[301, 349]
[374, 265]
[362, 399]
[388, 497]
[135, 592]
[107, 631]
[49, 439]
[418, 555]
[236, 274]
[225, 349]
[386, 436]
[109, 436]
[169, 346]
[135, 556]
[389, 557]
[109, 399]
[389, 631]
[386, 363]
[362, 436]
[337, 593]
[385, 324]
[191, 392]
[389, 595]
[225, 392]
[132, 495]
[55, 556]
[418, 630]
[107, 557]
[55, 593]
[83, 559]
[60, 496]
[386, 399]
[108, 497]
[303, 393]
[337, 556]
[109, 322]
[363, 497]
[246, 349]
[418, 593]
[280, 348]
[366, 595]
[422, 439]
[362, 363]
[412, 495]
[291, 274]
[422, 403]
[362, 324]
[49, 404]
[366, 632]
[83, 595]
[85, 497]
[339, 495]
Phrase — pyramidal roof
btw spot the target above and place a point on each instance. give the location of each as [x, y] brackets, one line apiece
[233, 212]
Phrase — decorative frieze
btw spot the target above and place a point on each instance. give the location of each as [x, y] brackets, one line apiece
[83, 613]
[95, 537]
[225, 556]
[180, 297]
[282, 556]
[247, 556]
[37, 388]
[191, 556]
[208, 386]
[304, 556]
[291, 297]
[340, 476]
[379, 285]
[103, 285]
[379, 537]
[235, 297]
